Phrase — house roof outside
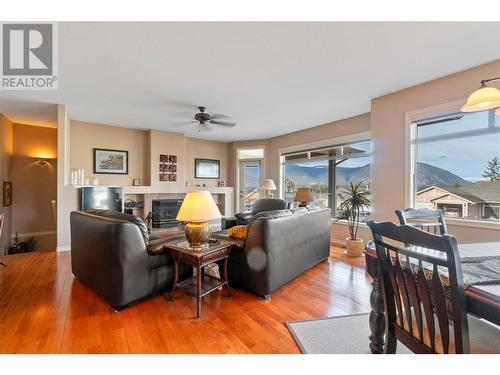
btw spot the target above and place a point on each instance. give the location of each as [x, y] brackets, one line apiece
[477, 192]
[488, 191]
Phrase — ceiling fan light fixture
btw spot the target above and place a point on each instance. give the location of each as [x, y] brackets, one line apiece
[483, 99]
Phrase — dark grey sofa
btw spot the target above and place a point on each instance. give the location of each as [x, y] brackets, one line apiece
[113, 255]
[280, 246]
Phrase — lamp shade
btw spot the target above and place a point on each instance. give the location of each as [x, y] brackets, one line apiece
[304, 195]
[198, 206]
[484, 98]
[268, 184]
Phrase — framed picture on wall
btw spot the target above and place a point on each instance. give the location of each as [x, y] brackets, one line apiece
[110, 161]
[207, 168]
[7, 193]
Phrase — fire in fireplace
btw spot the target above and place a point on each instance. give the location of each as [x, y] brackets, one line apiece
[165, 212]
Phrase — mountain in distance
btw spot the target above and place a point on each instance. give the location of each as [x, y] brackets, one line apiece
[427, 175]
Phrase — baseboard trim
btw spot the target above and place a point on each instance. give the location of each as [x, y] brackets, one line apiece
[336, 242]
[33, 234]
[63, 248]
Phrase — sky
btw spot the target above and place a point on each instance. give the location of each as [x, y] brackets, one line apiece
[465, 157]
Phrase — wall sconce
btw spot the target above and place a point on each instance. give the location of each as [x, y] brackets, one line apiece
[43, 161]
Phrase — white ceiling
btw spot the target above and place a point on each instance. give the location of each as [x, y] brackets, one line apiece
[270, 78]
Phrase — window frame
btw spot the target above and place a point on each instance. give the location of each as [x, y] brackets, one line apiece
[331, 142]
[411, 119]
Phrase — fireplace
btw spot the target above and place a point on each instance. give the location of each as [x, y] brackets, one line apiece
[165, 212]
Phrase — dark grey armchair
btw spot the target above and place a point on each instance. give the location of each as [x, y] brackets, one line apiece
[262, 205]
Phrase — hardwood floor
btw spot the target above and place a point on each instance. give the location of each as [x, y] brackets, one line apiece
[44, 309]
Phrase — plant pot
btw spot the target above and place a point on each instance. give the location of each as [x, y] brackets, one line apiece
[355, 247]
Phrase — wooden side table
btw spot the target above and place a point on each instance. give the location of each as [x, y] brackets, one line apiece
[201, 284]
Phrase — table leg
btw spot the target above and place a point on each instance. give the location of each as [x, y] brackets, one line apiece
[229, 293]
[199, 276]
[377, 318]
[176, 276]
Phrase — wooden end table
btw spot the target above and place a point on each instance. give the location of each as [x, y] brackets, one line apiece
[201, 284]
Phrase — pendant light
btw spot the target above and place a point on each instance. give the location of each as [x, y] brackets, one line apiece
[484, 98]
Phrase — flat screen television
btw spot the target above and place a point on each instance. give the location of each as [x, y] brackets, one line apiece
[102, 197]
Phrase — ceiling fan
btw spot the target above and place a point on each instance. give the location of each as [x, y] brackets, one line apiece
[204, 119]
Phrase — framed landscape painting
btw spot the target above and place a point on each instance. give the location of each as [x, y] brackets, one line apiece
[110, 161]
[206, 168]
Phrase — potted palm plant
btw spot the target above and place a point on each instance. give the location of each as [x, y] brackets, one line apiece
[356, 198]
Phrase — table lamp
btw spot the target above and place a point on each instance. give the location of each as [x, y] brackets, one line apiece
[196, 209]
[304, 196]
[268, 185]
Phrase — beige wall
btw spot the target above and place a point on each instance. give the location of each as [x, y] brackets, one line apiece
[6, 150]
[199, 148]
[388, 135]
[34, 184]
[86, 136]
[144, 148]
[167, 143]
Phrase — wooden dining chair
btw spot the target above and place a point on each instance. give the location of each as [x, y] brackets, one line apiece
[423, 293]
[431, 221]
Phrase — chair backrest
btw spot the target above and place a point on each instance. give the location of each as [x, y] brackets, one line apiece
[423, 288]
[431, 221]
[268, 204]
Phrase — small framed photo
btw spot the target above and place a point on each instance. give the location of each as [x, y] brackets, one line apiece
[110, 161]
[7, 193]
[136, 182]
[164, 158]
[207, 168]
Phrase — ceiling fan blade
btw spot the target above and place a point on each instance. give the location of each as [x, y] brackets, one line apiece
[223, 123]
[217, 115]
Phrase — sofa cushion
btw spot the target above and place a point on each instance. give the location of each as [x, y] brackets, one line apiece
[126, 217]
[160, 260]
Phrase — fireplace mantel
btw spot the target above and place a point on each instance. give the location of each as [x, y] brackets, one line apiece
[223, 196]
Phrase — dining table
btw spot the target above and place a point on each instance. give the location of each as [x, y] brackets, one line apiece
[480, 263]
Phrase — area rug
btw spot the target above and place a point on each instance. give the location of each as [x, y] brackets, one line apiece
[346, 334]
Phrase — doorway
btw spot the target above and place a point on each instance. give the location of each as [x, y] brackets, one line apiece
[249, 184]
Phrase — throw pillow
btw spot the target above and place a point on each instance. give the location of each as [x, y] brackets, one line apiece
[238, 231]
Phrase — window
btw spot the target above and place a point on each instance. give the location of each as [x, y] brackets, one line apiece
[247, 153]
[457, 165]
[327, 171]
